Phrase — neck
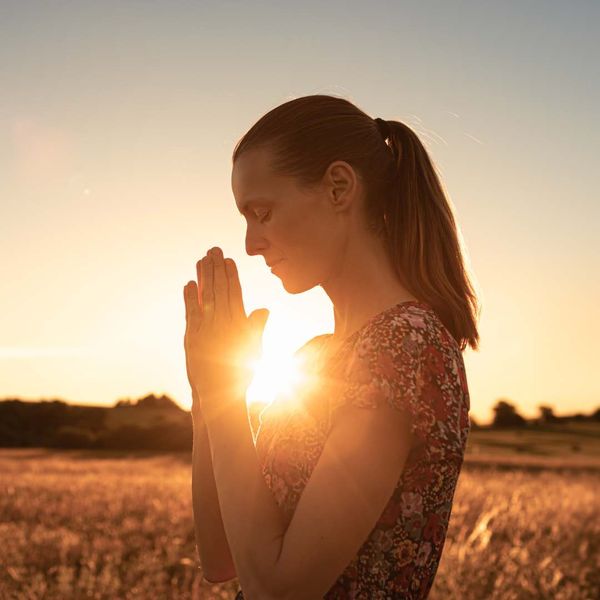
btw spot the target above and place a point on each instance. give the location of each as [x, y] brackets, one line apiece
[364, 284]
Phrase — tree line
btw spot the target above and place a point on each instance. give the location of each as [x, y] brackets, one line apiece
[149, 423]
[506, 414]
[157, 423]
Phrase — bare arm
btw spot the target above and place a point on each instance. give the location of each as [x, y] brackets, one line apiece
[211, 541]
[349, 487]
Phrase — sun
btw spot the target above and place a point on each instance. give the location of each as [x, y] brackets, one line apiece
[274, 375]
[285, 371]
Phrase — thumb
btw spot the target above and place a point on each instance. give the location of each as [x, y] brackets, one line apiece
[258, 320]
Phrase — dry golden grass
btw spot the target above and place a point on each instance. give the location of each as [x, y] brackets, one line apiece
[78, 525]
[518, 534]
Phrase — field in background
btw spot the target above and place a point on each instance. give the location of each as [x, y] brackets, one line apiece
[84, 524]
[564, 440]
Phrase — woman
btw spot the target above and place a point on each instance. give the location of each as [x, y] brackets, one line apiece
[347, 491]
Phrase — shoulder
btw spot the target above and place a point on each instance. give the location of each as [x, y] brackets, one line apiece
[406, 329]
[408, 357]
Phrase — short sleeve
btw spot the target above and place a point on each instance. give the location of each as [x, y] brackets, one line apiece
[386, 365]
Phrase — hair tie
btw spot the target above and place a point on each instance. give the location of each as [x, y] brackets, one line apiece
[383, 127]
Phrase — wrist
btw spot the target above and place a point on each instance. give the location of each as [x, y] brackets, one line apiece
[198, 421]
[197, 417]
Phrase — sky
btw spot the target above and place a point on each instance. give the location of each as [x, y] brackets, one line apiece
[117, 125]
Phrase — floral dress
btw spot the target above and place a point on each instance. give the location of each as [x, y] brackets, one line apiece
[405, 357]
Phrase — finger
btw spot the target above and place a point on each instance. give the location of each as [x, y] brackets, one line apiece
[220, 286]
[199, 277]
[185, 301]
[207, 292]
[236, 300]
[191, 303]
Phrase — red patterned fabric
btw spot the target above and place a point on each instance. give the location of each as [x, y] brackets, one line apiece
[405, 357]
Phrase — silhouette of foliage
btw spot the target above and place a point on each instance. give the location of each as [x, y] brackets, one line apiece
[73, 437]
[506, 415]
[150, 401]
[56, 424]
[155, 423]
[547, 414]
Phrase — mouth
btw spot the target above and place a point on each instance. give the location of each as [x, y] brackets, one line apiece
[274, 263]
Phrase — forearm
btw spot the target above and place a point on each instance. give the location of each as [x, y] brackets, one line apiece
[211, 541]
[254, 523]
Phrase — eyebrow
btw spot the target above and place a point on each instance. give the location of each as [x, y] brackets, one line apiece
[249, 203]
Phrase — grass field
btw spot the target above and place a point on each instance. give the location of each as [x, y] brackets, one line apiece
[78, 524]
[570, 441]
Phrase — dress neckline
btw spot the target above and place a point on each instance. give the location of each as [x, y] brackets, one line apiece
[326, 336]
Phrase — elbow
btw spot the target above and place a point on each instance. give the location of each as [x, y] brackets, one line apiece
[216, 569]
[218, 573]
[218, 576]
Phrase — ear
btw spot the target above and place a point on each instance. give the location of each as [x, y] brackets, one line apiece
[342, 184]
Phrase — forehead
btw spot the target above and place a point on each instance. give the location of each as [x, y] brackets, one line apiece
[251, 170]
[252, 177]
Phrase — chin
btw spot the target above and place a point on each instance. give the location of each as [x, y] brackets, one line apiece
[292, 286]
[296, 290]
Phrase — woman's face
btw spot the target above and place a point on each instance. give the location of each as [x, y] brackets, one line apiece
[286, 223]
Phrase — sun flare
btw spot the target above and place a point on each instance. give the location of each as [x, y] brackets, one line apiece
[274, 376]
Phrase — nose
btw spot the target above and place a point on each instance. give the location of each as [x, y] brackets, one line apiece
[255, 243]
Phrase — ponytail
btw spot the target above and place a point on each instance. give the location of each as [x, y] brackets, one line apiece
[423, 239]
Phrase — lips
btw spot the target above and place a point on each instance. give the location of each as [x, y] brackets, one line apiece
[274, 263]
[275, 266]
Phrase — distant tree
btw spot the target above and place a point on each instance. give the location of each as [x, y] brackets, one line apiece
[123, 402]
[596, 414]
[166, 436]
[547, 414]
[125, 437]
[9, 437]
[506, 415]
[152, 401]
[72, 437]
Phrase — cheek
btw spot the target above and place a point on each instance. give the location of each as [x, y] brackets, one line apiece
[298, 234]
[306, 236]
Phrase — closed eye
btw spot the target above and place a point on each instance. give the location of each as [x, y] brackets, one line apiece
[265, 218]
